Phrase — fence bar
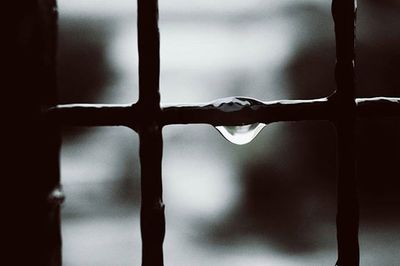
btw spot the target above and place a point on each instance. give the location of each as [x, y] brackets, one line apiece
[266, 112]
[378, 107]
[30, 164]
[149, 53]
[94, 115]
[347, 219]
[152, 209]
[152, 212]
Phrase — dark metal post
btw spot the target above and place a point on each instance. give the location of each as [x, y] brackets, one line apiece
[152, 210]
[32, 148]
[344, 14]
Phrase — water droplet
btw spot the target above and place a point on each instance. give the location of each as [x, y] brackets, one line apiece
[240, 135]
[56, 196]
[233, 104]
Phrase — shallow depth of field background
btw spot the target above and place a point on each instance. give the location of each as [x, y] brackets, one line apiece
[271, 202]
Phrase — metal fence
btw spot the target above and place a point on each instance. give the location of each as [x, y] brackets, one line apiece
[148, 116]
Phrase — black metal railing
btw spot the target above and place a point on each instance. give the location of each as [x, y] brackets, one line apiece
[148, 116]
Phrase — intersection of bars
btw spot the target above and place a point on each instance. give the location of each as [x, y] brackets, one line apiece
[264, 112]
[148, 116]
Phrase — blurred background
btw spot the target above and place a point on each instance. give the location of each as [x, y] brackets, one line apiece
[270, 202]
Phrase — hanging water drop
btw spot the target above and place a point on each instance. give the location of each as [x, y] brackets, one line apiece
[240, 135]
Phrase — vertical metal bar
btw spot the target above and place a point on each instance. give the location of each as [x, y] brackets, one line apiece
[32, 148]
[149, 54]
[152, 209]
[344, 15]
[152, 212]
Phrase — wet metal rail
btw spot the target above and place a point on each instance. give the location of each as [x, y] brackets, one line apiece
[148, 116]
[211, 113]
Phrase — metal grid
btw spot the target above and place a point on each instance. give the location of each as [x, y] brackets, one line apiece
[148, 116]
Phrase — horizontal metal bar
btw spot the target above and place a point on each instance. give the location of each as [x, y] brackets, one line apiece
[215, 113]
[378, 107]
[92, 115]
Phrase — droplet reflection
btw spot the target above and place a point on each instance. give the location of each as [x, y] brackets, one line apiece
[240, 135]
